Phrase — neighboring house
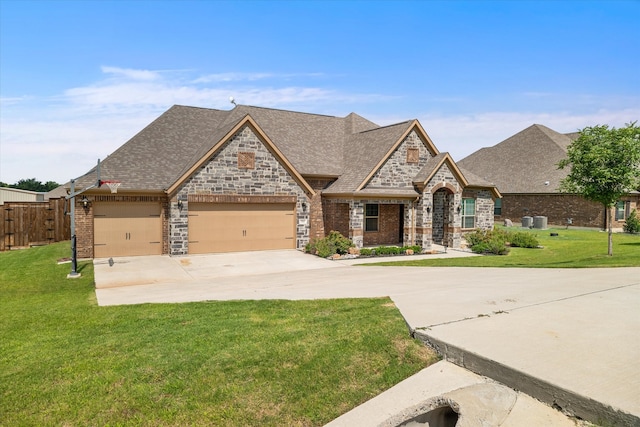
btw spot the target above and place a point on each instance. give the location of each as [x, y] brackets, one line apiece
[524, 167]
[58, 192]
[201, 180]
[16, 195]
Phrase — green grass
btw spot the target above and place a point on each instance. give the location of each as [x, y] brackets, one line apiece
[572, 248]
[66, 361]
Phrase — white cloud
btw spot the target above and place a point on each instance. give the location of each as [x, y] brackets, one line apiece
[462, 135]
[132, 74]
[251, 77]
[62, 137]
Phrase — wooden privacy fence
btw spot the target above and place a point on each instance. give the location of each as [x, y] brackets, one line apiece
[24, 224]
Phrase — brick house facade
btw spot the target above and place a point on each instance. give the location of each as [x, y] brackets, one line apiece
[253, 178]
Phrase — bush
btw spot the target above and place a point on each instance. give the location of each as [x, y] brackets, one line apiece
[334, 243]
[387, 250]
[522, 239]
[632, 225]
[366, 252]
[495, 241]
[494, 247]
[488, 241]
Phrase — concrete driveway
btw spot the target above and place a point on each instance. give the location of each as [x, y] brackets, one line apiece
[567, 337]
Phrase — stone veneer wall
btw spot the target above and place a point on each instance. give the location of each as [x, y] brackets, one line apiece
[427, 223]
[396, 172]
[484, 207]
[222, 176]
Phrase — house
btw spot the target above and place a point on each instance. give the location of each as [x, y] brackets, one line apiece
[200, 180]
[524, 167]
[8, 194]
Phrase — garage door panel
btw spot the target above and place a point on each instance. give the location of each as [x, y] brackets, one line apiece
[233, 227]
[127, 229]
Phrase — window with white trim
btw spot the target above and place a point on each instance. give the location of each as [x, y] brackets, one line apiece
[468, 213]
[371, 216]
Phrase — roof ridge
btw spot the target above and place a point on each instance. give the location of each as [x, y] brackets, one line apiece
[554, 136]
[387, 126]
[288, 111]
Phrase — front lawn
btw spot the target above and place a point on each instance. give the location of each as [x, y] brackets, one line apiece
[571, 248]
[66, 361]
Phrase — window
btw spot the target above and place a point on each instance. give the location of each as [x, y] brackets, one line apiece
[497, 207]
[620, 211]
[468, 213]
[371, 217]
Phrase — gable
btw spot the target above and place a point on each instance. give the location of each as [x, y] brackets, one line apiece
[417, 133]
[245, 145]
[440, 168]
[402, 165]
[242, 165]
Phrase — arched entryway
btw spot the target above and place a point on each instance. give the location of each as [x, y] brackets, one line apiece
[443, 216]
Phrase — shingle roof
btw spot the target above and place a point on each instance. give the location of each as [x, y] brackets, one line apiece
[164, 150]
[365, 149]
[153, 159]
[348, 148]
[523, 163]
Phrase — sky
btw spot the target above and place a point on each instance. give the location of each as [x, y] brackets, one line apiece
[79, 78]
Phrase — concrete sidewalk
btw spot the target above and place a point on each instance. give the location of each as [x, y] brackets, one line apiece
[567, 337]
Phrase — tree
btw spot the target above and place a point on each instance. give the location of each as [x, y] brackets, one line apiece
[605, 165]
[50, 185]
[33, 184]
[30, 184]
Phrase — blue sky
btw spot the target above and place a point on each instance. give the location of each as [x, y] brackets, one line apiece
[79, 78]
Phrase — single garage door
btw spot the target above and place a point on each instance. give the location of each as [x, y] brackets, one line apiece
[126, 229]
[236, 227]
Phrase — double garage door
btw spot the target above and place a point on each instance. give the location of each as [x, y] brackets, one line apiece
[126, 229]
[235, 227]
[129, 229]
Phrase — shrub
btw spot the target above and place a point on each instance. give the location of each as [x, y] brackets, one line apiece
[488, 241]
[387, 250]
[632, 224]
[491, 247]
[522, 239]
[366, 252]
[334, 243]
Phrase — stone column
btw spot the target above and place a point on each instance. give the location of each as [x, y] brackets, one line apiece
[179, 226]
[424, 221]
[356, 222]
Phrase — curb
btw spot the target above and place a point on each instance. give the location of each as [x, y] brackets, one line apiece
[568, 402]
